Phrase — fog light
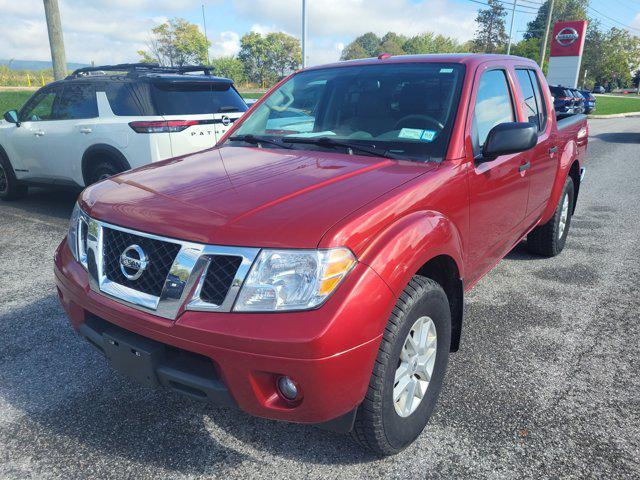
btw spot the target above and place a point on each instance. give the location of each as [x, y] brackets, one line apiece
[288, 388]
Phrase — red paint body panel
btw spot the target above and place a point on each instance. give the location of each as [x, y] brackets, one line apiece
[393, 215]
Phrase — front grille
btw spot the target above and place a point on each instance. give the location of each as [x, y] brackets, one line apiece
[218, 279]
[160, 254]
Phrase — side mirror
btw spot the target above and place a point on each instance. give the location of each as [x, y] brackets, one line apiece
[12, 117]
[512, 137]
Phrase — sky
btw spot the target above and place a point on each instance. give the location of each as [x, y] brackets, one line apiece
[112, 31]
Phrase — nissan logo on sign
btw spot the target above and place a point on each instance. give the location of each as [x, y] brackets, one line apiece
[567, 36]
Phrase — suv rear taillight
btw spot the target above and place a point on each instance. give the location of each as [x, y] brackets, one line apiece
[162, 126]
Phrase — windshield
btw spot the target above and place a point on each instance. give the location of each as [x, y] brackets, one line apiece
[406, 109]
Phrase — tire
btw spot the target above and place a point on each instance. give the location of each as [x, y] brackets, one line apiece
[10, 186]
[379, 426]
[549, 239]
[102, 170]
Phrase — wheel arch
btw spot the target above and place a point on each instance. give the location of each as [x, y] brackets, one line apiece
[423, 243]
[574, 173]
[101, 151]
[444, 270]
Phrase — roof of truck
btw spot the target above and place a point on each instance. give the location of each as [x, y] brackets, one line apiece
[463, 58]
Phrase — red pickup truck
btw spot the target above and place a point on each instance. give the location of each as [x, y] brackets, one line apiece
[312, 266]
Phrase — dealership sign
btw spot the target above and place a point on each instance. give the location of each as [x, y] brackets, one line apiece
[567, 45]
[567, 36]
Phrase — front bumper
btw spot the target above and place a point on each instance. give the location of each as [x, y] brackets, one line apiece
[329, 352]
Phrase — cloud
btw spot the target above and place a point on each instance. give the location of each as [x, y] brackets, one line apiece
[227, 44]
[331, 20]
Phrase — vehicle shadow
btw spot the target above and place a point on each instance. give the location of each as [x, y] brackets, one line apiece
[618, 137]
[520, 252]
[52, 202]
[73, 404]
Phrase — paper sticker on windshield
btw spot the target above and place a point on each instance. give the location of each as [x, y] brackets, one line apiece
[446, 70]
[411, 133]
[428, 135]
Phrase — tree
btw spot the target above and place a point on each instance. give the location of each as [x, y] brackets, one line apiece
[610, 57]
[563, 11]
[366, 45]
[176, 43]
[395, 44]
[268, 58]
[392, 43]
[528, 48]
[229, 67]
[490, 35]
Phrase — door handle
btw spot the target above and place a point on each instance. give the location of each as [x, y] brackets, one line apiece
[38, 133]
[85, 130]
[553, 150]
[524, 166]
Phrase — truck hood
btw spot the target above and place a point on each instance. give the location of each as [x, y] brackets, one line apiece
[247, 196]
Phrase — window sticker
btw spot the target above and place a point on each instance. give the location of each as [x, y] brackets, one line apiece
[428, 135]
[411, 133]
[446, 70]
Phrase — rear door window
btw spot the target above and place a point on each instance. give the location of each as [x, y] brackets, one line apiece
[493, 106]
[196, 98]
[533, 104]
[77, 101]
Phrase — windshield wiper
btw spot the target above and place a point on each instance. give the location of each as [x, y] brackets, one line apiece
[250, 138]
[329, 142]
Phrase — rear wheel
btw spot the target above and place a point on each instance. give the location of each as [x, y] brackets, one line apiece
[409, 370]
[549, 239]
[10, 186]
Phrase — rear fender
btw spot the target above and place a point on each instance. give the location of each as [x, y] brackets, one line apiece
[404, 247]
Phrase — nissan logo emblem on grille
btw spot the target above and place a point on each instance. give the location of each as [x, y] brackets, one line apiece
[226, 121]
[567, 36]
[133, 262]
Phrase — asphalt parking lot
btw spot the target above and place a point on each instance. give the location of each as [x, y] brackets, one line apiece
[545, 385]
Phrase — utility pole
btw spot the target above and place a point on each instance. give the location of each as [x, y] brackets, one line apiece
[513, 14]
[304, 33]
[543, 47]
[204, 25]
[56, 42]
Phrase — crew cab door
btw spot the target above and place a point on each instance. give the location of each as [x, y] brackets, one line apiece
[544, 157]
[25, 142]
[498, 188]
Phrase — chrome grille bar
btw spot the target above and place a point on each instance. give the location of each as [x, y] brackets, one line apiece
[183, 284]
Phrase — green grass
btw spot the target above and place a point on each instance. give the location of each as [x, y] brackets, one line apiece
[248, 95]
[13, 100]
[610, 105]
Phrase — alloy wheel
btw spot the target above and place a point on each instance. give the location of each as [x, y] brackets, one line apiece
[415, 366]
[564, 216]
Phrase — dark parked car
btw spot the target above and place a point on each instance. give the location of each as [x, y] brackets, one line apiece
[598, 89]
[589, 101]
[579, 101]
[563, 100]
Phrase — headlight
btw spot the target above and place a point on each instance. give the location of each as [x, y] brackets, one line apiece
[77, 235]
[293, 279]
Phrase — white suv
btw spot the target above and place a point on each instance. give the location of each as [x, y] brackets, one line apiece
[100, 121]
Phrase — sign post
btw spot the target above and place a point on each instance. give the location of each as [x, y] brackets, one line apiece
[567, 45]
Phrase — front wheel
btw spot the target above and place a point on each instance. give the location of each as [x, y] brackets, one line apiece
[409, 370]
[549, 239]
[10, 186]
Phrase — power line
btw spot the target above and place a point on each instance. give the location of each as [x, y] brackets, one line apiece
[613, 19]
[487, 5]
